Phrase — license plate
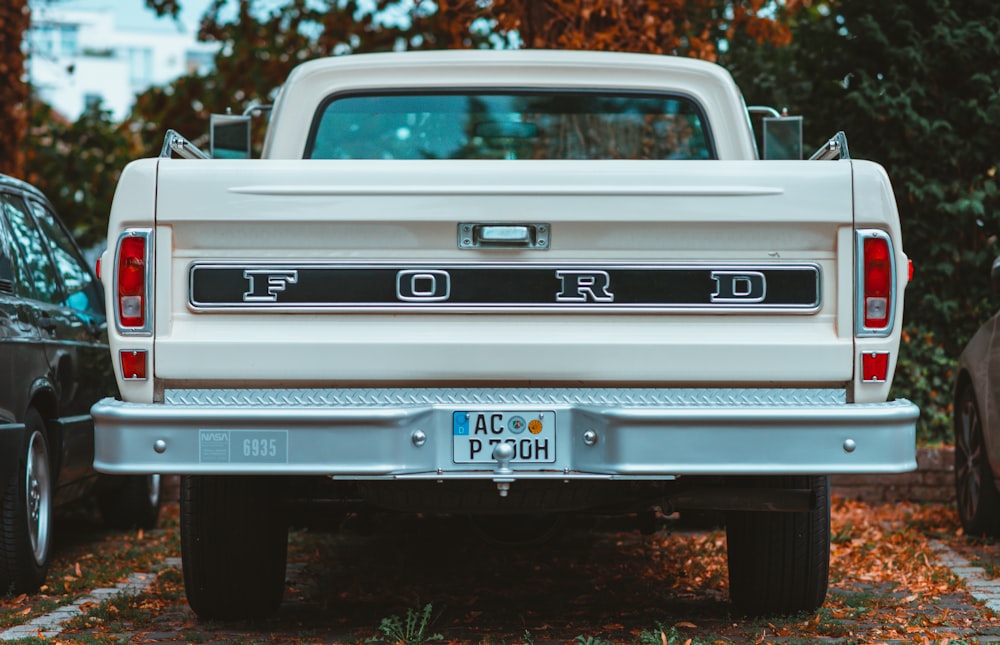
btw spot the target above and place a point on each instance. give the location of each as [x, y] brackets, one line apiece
[532, 435]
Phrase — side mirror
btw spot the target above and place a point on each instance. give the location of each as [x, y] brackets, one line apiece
[783, 137]
[229, 136]
[995, 275]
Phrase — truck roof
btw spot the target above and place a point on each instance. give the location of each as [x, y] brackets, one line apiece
[313, 82]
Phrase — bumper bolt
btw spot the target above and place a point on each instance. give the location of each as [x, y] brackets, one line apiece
[418, 438]
[849, 445]
[590, 437]
[160, 446]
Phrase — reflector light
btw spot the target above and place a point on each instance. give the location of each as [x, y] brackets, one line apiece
[875, 367]
[133, 364]
[97, 268]
[877, 282]
[132, 282]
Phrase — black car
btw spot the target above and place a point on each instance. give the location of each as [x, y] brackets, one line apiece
[54, 364]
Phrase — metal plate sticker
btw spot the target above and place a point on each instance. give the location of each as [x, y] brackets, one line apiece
[243, 446]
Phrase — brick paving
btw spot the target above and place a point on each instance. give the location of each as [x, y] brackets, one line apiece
[50, 625]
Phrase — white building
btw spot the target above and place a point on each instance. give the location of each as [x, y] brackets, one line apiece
[77, 57]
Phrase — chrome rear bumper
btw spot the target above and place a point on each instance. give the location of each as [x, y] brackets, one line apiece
[600, 433]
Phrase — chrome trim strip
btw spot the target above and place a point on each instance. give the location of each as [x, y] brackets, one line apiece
[444, 307]
[616, 190]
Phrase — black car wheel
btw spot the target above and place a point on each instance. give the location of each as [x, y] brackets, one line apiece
[26, 536]
[975, 490]
[779, 562]
[234, 542]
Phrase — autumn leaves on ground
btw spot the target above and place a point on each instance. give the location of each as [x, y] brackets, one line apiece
[596, 582]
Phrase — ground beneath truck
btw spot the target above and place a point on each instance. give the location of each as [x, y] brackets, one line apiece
[404, 579]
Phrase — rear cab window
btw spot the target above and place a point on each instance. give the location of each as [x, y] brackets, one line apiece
[510, 125]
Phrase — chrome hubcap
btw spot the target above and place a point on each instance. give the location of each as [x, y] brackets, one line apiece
[154, 490]
[38, 491]
[969, 448]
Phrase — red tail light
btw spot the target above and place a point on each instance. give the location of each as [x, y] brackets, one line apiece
[131, 282]
[876, 277]
[878, 282]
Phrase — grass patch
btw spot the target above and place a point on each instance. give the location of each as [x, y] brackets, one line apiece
[411, 629]
[862, 600]
[114, 614]
[169, 585]
[990, 567]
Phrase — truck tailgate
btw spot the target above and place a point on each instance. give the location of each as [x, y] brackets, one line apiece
[633, 272]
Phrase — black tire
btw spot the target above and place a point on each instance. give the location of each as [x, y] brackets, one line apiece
[234, 544]
[26, 539]
[779, 562]
[975, 489]
[132, 503]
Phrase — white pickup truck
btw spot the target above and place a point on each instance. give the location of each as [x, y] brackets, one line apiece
[525, 283]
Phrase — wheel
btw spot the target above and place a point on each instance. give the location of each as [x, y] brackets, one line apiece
[26, 536]
[779, 562]
[133, 502]
[975, 490]
[234, 543]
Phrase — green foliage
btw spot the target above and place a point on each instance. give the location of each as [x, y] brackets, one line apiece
[592, 640]
[409, 630]
[77, 166]
[915, 86]
[662, 635]
[925, 375]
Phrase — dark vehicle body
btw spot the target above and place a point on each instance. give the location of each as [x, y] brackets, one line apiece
[977, 427]
[54, 364]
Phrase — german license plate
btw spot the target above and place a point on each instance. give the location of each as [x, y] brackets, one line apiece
[532, 435]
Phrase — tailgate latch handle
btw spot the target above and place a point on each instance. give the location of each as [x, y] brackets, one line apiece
[481, 235]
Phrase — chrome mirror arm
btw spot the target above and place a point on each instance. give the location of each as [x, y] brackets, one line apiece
[175, 142]
[835, 148]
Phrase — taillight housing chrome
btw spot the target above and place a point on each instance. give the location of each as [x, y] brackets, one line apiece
[133, 282]
[876, 284]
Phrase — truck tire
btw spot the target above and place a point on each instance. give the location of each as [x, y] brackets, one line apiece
[975, 491]
[234, 544]
[134, 503]
[779, 562]
[26, 538]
